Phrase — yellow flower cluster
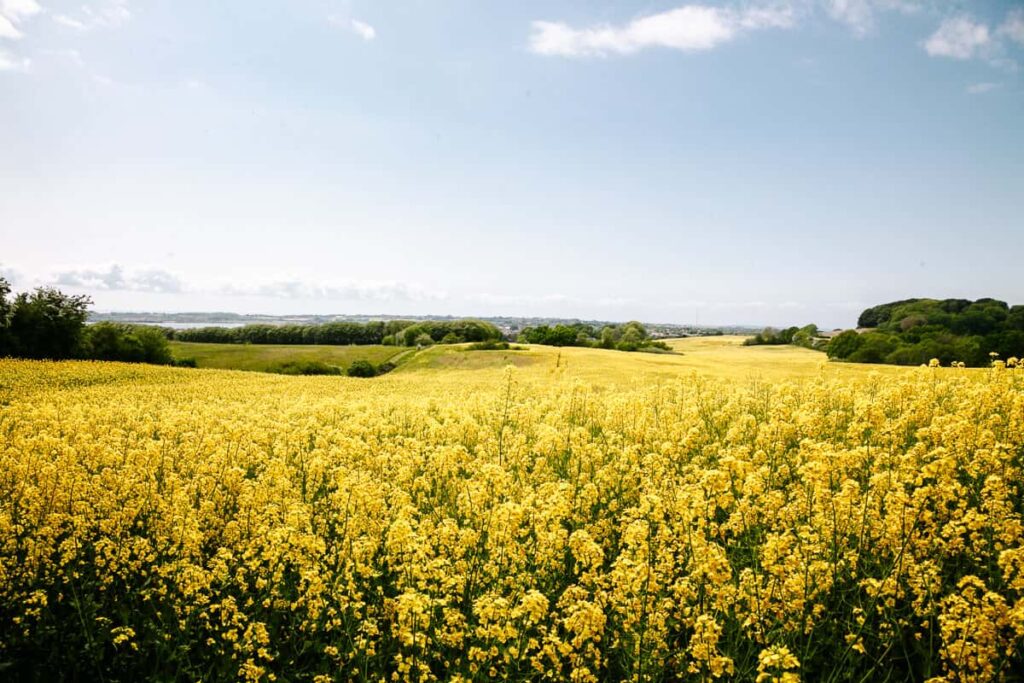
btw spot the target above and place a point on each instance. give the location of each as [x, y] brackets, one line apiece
[178, 524]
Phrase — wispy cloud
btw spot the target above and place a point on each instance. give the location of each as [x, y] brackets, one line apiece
[958, 38]
[686, 28]
[13, 13]
[360, 28]
[105, 14]
[116, 278]
[1013, 26]
[981, 88]
[860, 15]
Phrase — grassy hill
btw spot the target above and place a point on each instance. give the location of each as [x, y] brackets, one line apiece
[263, 356]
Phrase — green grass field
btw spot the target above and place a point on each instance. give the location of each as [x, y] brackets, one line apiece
[261, 357]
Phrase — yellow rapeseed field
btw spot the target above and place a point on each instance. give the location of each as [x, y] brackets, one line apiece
[541, 515]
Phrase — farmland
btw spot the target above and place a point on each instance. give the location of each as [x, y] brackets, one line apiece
[725, 512]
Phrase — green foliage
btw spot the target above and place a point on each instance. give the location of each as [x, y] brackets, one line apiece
[489, 345]
[392, 332]
[559, 335]
[843, 345]
[448, 332]
[45, 323]
[306, 367]
[914, 331]
[631, 336]
[806, 336]
[337, 333]
[385, 367]
[128, 343]
[362, 368]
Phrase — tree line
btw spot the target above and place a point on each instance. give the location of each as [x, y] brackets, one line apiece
[914, 331]
[631, 336]
[806, 336]
[388, 333]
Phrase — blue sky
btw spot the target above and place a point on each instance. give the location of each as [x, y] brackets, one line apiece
[759, 162]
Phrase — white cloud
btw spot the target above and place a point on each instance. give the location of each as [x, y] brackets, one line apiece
[8, 29]
[859, 15]
[10, 62]
[16, 10]
[360, 28]
[114, 278]
[958, 38]
[687, 28]
[12, 13]
[70, 22]
[365, 31]
[981, 88]
[1013, 26]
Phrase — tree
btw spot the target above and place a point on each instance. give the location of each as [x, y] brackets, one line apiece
[362, 368]
[6, 308]
[843, 345]
[48, 324]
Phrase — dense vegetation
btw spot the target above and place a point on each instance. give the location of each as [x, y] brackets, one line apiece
[48, 324]
[915, 331]
[444, 332]
[391, 332]
[806, 336]
[338, 333]
[631, 336]
[469, 526]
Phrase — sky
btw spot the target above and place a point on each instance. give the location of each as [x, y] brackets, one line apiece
[721, 163]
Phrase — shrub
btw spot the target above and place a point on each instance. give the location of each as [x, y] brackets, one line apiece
[127, 343]
[305, 367]
[362, 368]
[385, 367]
[843, 345]
[490, 345]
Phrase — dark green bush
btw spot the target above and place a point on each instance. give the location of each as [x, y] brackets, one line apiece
[305, 367]
[362, 368]
[490, 345]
